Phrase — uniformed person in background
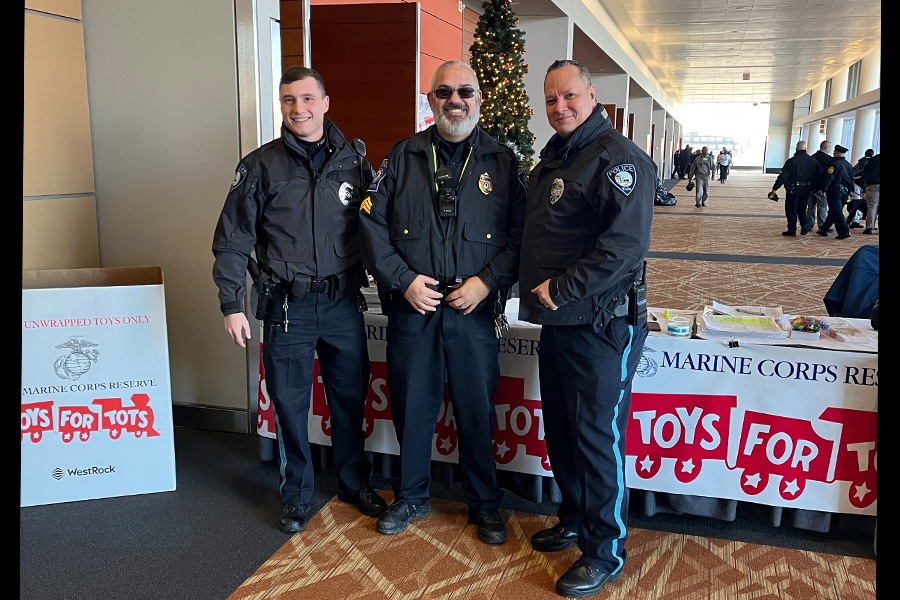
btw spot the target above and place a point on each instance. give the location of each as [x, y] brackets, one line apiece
[838, 181]
[797, 176]
[587, 232]
[295, 202]
[818, 203]
[442, 225]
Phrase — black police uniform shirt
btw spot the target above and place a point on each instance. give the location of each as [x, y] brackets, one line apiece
[587, 224]
[300, 213]
[403, 236]
[841, 175]
[800, 168]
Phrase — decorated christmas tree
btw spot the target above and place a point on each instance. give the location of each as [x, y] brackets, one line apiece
[498, 63]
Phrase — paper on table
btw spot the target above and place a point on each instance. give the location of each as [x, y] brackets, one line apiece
[737, 311]
[744, 326]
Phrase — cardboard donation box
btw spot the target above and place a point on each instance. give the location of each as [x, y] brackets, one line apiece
[96, 392]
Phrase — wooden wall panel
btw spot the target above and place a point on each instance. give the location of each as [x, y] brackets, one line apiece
[470, 24]
[366, 53]
[611, 111]
[60, 233]
[620, 119]
[291, 26]
[57, 153]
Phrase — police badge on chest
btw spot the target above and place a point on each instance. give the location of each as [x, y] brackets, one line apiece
[556, 190]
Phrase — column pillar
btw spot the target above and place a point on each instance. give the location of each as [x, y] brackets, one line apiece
[546, 39]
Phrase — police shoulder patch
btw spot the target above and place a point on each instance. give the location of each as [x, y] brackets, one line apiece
[239, 176]
[623, 177]
[382, 171]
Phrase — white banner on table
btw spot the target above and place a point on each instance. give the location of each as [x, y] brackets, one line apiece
[793, 427]
[96, 395]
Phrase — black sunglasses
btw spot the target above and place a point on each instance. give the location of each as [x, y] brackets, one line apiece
[445, 92]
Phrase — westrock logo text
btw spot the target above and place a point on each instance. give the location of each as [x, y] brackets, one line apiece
[58, 473]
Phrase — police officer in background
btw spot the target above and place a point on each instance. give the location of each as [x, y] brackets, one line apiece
[295, 202]
[837, 183]
[587, 232]
[442, 226]
[818, 203]
[797, 176]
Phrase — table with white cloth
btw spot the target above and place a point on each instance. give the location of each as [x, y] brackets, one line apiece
[713, 423]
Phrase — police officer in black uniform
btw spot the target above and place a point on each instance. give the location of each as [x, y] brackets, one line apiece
[295, 202]
[587, 232]
[818, 204]
[442, 225]
[797, 176]
[837, 183]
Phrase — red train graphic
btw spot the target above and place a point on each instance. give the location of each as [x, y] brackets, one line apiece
[685, 429]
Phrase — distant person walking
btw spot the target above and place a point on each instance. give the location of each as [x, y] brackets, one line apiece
[797, 176]
[702, 168]
[872, 175]
[837, 181]
[818, 204]
[723, 161]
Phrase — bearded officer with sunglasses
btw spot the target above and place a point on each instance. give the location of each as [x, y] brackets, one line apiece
[587, 232]
[441, 225]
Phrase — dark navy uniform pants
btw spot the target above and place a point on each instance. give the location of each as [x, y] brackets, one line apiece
[335, 330]
[421, 351]
[585, 381]
[795, 203]
[835, 216]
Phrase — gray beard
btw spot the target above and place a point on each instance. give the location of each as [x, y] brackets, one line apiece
[460, 128]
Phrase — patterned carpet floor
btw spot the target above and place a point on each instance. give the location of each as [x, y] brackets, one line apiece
[732, 251]
[340, 556]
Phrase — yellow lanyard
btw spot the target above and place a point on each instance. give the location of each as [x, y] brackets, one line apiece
[434, 155]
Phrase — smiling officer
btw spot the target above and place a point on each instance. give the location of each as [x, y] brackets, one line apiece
[587, 231]
[442, 224]
[295, 202]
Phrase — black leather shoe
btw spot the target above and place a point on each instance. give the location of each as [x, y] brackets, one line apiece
[856, 226]
[868, 231]
[842, 237]
[554, 539]
[491, 528]
[583, 580]
[398, 515]
[789, 233]
[366, 500]
[822, 232]
[804, 231]
[294, 517]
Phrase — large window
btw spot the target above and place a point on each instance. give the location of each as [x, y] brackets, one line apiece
[853, 80]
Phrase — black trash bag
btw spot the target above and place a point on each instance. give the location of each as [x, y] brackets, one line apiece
[663, 196]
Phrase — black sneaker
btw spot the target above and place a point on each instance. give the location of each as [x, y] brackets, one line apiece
[294, 517]
[789, 233]
[842, 237]
[822, 232]
[491, 528]
[366, 500]
[868, 231]
[398, 515]
[856, 226]
[804, 231]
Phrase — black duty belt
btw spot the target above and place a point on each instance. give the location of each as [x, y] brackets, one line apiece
[333, 285]
[801, 183]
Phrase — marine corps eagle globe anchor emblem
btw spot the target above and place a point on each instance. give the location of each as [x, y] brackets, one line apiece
[78, 361]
